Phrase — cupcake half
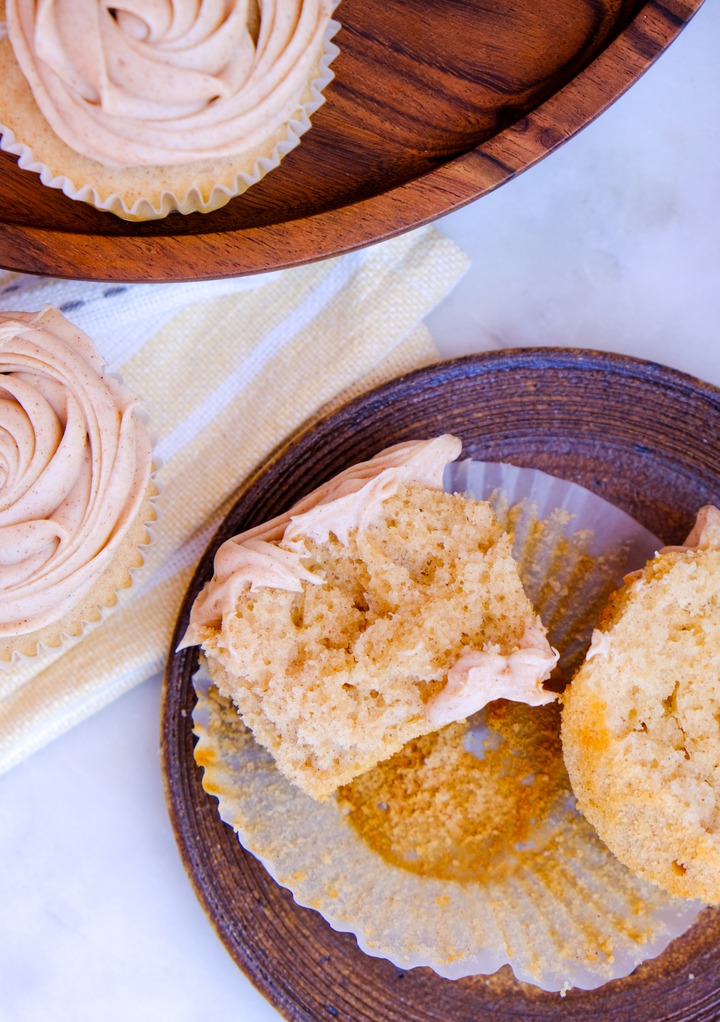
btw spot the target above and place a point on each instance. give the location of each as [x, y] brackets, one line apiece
[378, 609]
[144, 110]
[641, 719]
[76, 483]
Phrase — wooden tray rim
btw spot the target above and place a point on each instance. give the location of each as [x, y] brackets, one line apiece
[461, 180]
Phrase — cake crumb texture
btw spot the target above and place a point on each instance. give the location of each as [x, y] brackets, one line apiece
[641, 724]
[336, 677]
[465, 802]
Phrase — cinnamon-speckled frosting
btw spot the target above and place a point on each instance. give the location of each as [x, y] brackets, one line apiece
[163, 82]
[75, 466]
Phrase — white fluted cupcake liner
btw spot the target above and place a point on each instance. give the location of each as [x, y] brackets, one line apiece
[551, 901]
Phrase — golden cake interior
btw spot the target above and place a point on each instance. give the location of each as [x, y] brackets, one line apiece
[640, 725]
[336, 677]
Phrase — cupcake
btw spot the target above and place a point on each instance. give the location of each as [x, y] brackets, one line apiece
[377, 610]
[76, 488]
[144, 110]
[640, 719]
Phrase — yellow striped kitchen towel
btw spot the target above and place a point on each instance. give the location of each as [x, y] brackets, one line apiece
[226, 370]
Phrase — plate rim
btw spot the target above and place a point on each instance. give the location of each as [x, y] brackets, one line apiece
[171, 729]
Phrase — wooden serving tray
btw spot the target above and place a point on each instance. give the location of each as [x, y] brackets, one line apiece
[434, 104]
[633, 432]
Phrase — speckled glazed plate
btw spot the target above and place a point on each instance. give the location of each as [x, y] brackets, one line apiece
[433, 105]
[643, 437]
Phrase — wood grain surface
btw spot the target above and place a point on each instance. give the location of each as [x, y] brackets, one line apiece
[643, 437]
[433, 105]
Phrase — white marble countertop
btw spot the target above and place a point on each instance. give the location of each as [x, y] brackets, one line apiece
[613, 242]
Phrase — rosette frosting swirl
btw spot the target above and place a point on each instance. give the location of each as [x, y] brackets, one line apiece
[158, 82]
[75, 464]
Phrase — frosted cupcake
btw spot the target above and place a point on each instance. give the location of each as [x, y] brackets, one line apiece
[144, 109]
[75, 483]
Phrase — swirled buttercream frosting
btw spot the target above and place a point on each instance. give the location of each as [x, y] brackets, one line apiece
[75, 466]
[166, 81]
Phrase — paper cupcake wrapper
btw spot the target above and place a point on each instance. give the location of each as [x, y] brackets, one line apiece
[192, 200]
[556, 905]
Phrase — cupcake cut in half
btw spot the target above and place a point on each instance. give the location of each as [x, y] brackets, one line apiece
[378, 609]
[141, 109]
[76, 484]
[641, 719]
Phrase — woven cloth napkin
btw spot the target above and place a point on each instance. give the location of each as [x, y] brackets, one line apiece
[226, 370]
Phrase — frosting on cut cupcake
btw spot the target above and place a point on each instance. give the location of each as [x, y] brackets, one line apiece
[163, 82]
[480, 676]
[705, 533]
[349, 501]
[75, 464]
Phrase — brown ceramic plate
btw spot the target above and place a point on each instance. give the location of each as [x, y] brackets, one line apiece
[642, 436]
[434, 104]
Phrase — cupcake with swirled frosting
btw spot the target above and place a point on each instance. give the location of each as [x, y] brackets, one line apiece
[142, 109]
[76, 483]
